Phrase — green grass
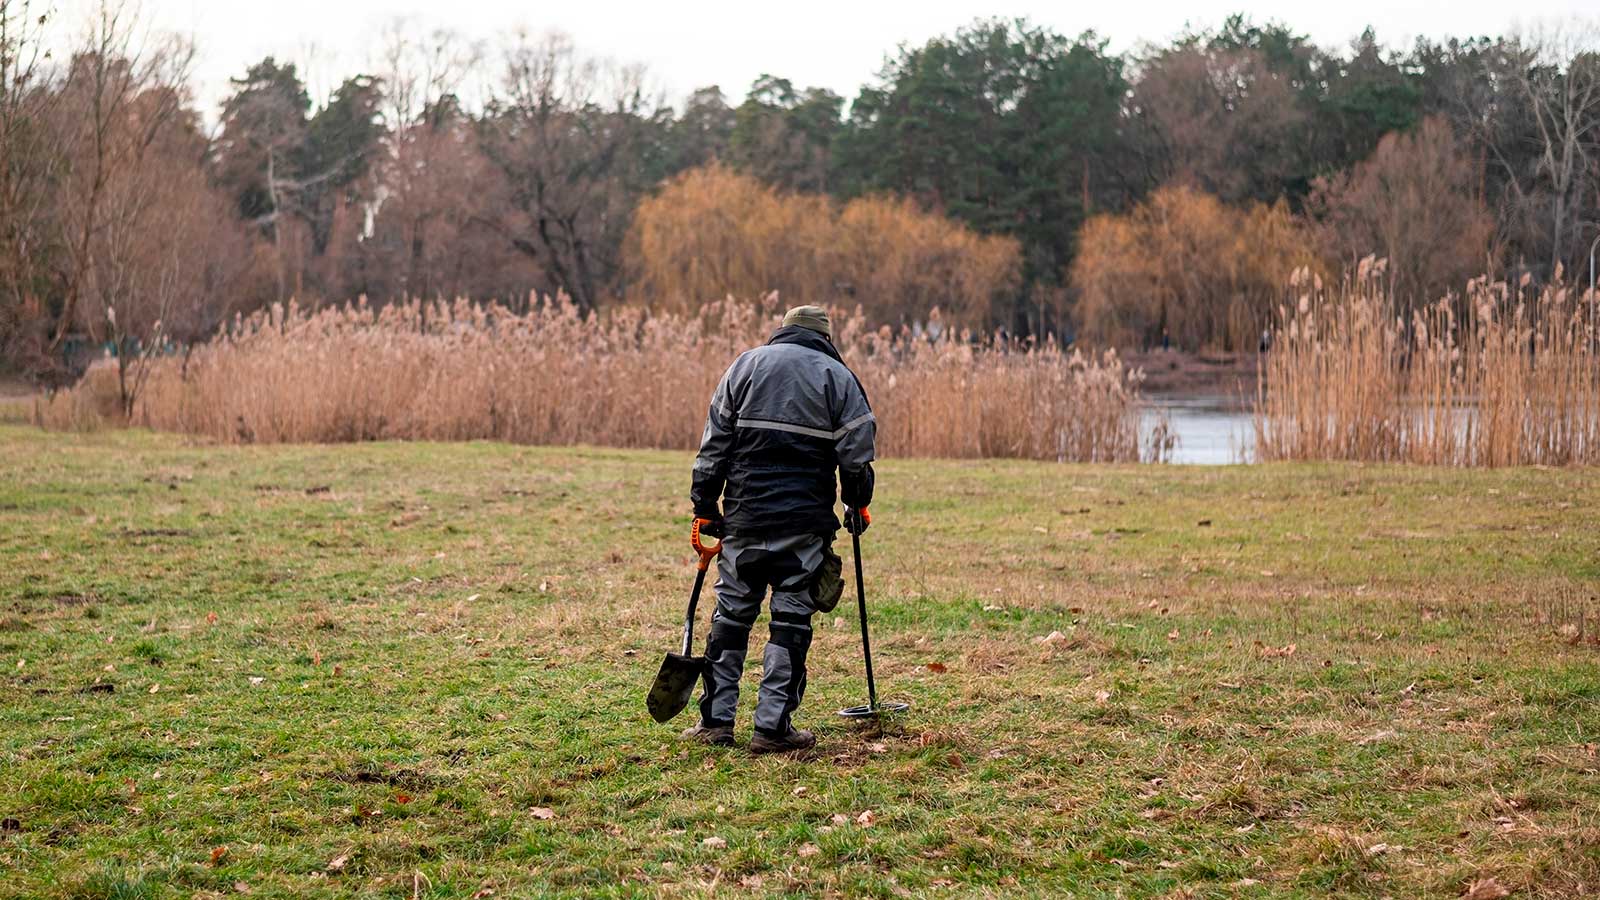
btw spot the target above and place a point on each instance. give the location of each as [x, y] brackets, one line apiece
[361, 669]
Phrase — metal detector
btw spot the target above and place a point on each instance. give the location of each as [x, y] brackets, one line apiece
[873, 709]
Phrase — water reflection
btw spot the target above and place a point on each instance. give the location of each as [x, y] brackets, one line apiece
[1210, 431]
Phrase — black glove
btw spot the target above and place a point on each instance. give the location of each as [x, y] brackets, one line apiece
[710, 527]
[857, 521]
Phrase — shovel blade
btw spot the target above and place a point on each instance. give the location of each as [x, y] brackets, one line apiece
[674, 685]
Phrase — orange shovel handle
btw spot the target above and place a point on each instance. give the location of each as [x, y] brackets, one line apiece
[707, 553]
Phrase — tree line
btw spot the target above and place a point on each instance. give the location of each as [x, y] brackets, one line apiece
[1010, 175]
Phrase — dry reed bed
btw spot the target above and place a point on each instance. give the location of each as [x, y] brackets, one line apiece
[1514, 380]
[461, 371]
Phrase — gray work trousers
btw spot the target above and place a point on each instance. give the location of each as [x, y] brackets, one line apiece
[747, 568]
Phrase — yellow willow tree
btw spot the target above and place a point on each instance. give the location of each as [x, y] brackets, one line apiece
[1184, 265]
[712, 232]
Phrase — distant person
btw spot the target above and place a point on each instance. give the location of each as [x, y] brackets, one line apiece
[784, 417]
[1266, 341]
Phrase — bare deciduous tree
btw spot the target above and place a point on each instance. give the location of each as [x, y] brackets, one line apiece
[29, 161]
[1414, 203]
[566, 133]
[1560, 82]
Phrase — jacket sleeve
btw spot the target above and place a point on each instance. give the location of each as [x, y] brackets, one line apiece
[716, 450]
[855, 447]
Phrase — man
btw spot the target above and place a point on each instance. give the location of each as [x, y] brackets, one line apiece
[783, 418]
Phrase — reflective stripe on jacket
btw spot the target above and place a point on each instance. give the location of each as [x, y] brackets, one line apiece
[784, 416]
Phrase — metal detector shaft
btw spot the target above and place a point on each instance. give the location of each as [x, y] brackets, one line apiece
[861, 605]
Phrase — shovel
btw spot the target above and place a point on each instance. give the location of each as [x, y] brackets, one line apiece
[873, 709]
[680, 671]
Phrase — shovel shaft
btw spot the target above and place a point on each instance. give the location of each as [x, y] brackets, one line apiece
[694, 600]
[861, 606]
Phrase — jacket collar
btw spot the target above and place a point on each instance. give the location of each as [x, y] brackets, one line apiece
[805, 337]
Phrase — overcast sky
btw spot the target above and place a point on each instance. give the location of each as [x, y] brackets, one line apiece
[833, 44]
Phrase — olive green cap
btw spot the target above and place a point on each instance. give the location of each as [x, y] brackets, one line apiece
[812, 317]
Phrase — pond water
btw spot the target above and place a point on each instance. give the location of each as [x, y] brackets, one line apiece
[1210, 431]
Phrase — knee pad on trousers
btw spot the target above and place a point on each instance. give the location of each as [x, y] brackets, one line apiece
[795, 640]
[727, 636]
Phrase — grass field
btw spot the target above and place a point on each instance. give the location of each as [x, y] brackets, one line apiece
[417, 670]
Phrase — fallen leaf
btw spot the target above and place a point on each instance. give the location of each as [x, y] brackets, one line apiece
[543, 812]
[867, 819]
[938, 668]
[714, 842]
[338, 669]
[1075, 610]
[243, 887]
[482, 893]
[1172, 635]
[211, 618]
[1486, 889]
[800, 791]
[402, 799]
[155, 687]
[316, 657]
[256, 679]
[1378, 736]
[338, 863]
[1377, 849]
[1102, 696]
[473, 597]
[217, 853]
[752, 882]
[992, 608]
[1054, 637]
[809, 850]
[878, 748]
[839, 819]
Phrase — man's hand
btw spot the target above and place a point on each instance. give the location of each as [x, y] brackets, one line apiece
[710, 527]
[856, 521]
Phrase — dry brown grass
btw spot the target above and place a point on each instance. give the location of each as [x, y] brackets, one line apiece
[1515, 383]
[460, 371]
[95, 402]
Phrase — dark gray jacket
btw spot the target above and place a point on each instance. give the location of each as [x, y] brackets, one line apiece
[783, 418]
